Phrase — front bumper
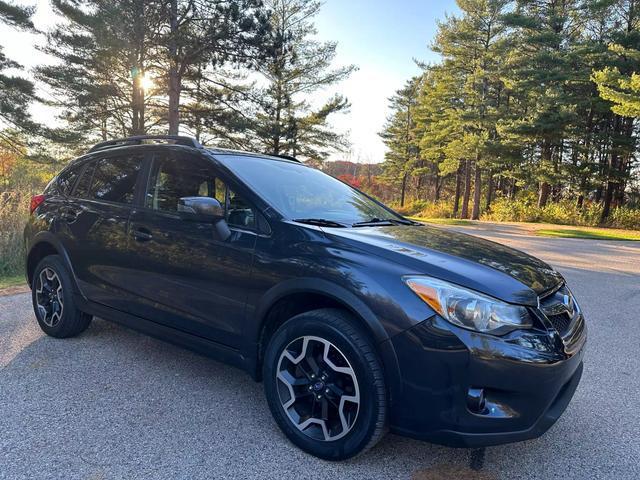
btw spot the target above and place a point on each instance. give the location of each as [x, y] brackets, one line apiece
[526, 378]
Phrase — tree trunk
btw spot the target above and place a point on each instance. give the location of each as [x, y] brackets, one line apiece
[403, 189]
[135, 101]
[611, 167]
[477, 190]
[174, 79]
[543, 194]
[544, 188]
[456, 200]
[467, 189]
[489, 190]
[608, 196]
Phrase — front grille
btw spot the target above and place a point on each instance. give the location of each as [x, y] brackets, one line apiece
[564, 315]
[560, 322]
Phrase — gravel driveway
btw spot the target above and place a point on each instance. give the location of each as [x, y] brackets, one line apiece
[113, 403]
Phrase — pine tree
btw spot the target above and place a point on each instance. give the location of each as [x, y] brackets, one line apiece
[472, 46]
[200, 35]
[105, 52]
[16, 92]
[295, 66]
[541, 67]
[399, 135]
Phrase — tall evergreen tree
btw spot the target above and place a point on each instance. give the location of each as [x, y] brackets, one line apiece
[541, 69]
[399, 135]
[16, 92]
[472, 46]
[295, 67]
[106, 55]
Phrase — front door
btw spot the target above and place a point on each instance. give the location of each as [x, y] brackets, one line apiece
[185, 277]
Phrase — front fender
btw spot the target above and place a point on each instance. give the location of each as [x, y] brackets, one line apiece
[339, 294]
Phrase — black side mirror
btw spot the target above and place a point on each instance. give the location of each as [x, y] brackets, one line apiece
[201, 206]
[206, 209]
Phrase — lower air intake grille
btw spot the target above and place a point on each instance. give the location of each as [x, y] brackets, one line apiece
[560, 322]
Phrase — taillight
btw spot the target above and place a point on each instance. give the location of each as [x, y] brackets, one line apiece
[36, 200]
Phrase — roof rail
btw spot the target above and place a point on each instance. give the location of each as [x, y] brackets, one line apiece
[139, 139]
[285, 157]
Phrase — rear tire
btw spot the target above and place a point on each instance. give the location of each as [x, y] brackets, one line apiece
[52, 297]
[324, 384]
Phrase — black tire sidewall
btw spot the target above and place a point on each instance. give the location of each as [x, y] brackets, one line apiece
[69, 311]
[360, 435]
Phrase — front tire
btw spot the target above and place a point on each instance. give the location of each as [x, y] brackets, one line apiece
[52, 297]
[324, 384]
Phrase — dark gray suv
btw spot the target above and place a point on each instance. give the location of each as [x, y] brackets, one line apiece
[357, 320]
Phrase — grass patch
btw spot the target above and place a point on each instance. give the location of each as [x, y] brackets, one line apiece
[12, 281]
[444, 221]
[589, 233]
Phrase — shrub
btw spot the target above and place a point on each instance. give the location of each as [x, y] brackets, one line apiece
[14, 209]
[564, 212]
[624, 217]
[425, 209]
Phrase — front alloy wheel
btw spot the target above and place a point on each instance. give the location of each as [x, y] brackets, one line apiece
[318, 388]
[324, 384]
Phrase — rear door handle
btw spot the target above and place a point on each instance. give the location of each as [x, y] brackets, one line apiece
[141, 234]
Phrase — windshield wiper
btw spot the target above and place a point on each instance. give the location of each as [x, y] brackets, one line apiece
[320, 222]
[384, 221]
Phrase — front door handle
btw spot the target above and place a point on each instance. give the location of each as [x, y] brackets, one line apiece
[141, 234]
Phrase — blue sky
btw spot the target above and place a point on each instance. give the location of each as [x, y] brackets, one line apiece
[380, 37]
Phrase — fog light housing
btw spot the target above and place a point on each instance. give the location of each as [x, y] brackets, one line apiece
[476, 402]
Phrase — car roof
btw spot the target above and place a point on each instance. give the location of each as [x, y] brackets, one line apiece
[218, 153]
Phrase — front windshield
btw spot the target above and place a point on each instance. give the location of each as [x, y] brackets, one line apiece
[299, 192]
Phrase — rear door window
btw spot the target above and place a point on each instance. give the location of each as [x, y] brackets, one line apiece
[114, 179]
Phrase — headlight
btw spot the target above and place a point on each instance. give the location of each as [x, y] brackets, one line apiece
[468, 309]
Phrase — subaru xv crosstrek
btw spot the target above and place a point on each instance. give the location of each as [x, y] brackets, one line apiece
[358, 321]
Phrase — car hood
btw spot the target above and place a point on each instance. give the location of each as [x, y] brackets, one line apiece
[472, 262]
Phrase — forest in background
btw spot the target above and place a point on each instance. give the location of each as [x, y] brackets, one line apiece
[530, 114]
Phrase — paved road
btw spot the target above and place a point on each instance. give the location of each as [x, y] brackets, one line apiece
[114, 404]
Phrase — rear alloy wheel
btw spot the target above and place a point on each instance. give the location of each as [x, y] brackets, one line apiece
[53, 302]
[49, 297]
[324, 384]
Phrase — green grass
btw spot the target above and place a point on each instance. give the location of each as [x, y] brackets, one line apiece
[12, 281]
[444, 221]
[589, 233]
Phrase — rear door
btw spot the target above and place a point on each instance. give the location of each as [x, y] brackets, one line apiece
[186, 277]
[96, 219]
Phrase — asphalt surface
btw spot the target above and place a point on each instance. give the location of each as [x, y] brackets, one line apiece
[115, 404]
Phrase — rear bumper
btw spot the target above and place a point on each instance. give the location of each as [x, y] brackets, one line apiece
[526, 380]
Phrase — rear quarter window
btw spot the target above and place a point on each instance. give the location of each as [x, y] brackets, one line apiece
[67, 180]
